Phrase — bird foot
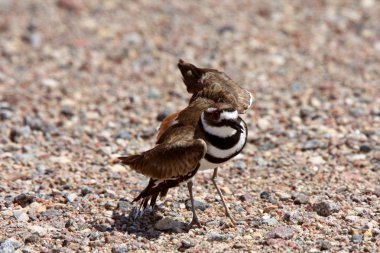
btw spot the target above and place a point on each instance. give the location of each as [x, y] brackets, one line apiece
[232, 219]
[193, 222]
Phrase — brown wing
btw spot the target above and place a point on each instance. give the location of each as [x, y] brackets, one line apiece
[177, 155]
[215, 85]
[238, 97]
[242, 96]
[166, 123]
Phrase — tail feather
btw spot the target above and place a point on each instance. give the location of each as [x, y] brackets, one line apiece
[129, 159]
[153, 200]
[163, 193]
[144, 203]
[154, 189]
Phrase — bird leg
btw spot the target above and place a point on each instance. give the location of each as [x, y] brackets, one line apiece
[228, 214]
[195, 220]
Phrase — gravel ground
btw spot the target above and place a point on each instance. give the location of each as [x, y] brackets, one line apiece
[82, 82]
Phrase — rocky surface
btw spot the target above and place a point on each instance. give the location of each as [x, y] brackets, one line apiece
[82, 82]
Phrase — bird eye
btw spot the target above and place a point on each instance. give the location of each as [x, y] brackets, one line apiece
[215, 115]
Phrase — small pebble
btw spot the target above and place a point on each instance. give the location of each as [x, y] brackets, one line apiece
[246, 197]
[71, 197]
[186, 244]
[357, 238]
[283, 196]
[124, 206]
[240, 165]
[50, 213]
[51, 83]
[118, 168]
[33, 38]
[325, 245]
[377, 192]
[365, 149]
[24, 199]
[162, 115]
[70, 223]
[268, 197]
[294, 217]
[5, 113]
[301, 198]
[38, 230]
[120, 250]
[71, 5]
[16, 133]
[325, 208]
[271, 221]
[67, 111]
[263, 124]
[317, 160]
[312, 145]
[154, 94]
[124, 134]
[86, 190]
[34, 238]
[35, 123]
[94, 236]
[197, 204]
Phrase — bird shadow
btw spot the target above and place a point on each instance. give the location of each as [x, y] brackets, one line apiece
[143, 225]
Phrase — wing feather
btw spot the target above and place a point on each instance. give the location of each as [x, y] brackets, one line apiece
[176, 156]
[215, 85]
[165, 124]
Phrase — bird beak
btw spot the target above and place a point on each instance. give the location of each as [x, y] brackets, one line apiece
[235, 124]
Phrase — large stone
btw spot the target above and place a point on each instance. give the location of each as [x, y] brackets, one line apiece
[10, 245]
[167, 224]
[215, 236]
[282, 232]
[20, 215]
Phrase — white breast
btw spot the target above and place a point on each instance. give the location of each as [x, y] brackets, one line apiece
[220, 131]
[206, 165]
[222, 153]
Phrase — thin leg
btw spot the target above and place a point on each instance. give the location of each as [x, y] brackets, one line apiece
[195, 220]
[228, 214]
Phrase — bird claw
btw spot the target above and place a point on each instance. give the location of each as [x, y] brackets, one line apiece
[232, 219]
[193, 222]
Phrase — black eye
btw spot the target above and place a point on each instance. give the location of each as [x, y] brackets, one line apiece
[215, 115]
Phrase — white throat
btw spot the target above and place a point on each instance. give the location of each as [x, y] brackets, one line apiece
[229, 115]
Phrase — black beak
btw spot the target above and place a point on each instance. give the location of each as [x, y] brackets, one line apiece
[235, 124]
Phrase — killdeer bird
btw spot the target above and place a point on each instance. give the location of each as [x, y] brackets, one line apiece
[215, 85]
[202, 136]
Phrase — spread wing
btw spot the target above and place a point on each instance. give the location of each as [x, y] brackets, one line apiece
[177, 154]
[166, 123]
[215, 85]
[240, 98]
[243, 97]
